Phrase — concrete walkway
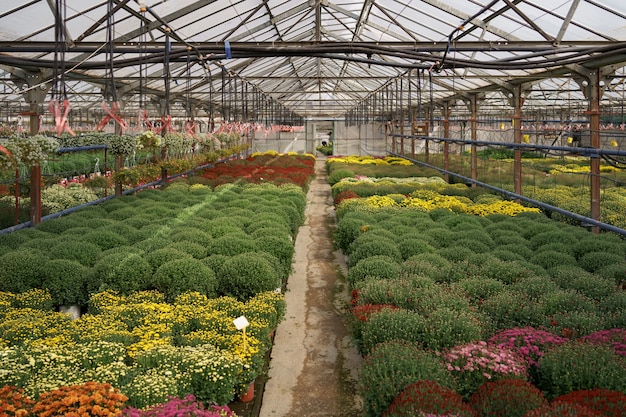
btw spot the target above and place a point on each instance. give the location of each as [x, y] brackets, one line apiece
[313, 362]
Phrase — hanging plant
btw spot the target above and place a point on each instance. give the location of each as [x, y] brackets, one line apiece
[149, 139]
[10, 155]
[122, 145]
[30, 151]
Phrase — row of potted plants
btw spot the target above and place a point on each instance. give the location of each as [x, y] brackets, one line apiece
[160, 277]
[464, 300]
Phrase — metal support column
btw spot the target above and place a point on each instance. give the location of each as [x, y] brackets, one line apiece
[474, 136]
[446, 134]
[594, 135]
[518, 102]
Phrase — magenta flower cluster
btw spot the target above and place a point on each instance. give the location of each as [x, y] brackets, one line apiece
[180, 407]
[611, 337]
[528, 342]
[488, 360]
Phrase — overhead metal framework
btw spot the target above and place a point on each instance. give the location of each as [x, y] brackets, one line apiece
[240, 59]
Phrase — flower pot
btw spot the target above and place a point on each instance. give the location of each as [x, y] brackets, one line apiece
[73, 311]
[248, 396]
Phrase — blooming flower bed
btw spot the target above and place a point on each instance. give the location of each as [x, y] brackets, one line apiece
[159, 304]
[515, 272]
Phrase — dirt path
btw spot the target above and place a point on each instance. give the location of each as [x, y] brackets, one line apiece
[313, 363]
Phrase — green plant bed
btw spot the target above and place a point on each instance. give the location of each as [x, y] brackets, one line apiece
[177, 276]
[246, 274]
[390, 368]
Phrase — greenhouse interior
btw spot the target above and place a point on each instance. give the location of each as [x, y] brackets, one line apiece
[157, 158]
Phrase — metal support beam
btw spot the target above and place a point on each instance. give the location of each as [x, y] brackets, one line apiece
[594, 134]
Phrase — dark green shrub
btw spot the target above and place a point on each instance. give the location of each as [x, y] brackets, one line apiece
[15, 239]
[158, 257]
[104, 239]
[280, 247]
[576, 366]
[612, 308]
[574, 324]
[372, 234]
[337, 175]
[121, 249]
[535, 287]
[67, 282]
[456, 253]
[21, 270]
[85, 253]
[59, 224]
[231, 245]
[215, 262]
[219, 228]
[518, 248]
[462, 222]
[507, 255]
[478, 289]
[194, 249]
[245, 275]
[347, 231]
[410, 246]
[188, 234]
[501, 238]
[598, 243]
[431, 265]
[121, 272]
[593, 261]
[566, 300]
[447, 327]
[124, 212]
[557, 247]
[391, 324]
[373, 248]
[152, 243]
[616, 272]
[77, 231]
[40, 245]
[508, 309]
[475, 246]
[562, 236]
[271, 231]
[550, 259]
[181, 275]
[440, 214]
[378, 267]
[390, 368]
[404, 292]
[589, 284]
[440, 237]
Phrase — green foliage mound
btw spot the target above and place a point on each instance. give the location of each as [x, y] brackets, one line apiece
[379, 267]
[67, 282]
[577, 366]
[246, 274]
[123, 272]
[390, 367]
[182, 275]
[21, 270]
[158, 257]
[231, 245]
